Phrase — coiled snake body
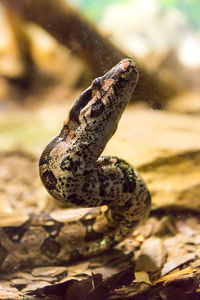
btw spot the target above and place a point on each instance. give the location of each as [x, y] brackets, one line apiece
[73, 172]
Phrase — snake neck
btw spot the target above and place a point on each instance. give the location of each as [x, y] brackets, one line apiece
[92, 121]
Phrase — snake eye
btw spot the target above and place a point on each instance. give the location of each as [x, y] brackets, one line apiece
[97, 108]
[97, 83]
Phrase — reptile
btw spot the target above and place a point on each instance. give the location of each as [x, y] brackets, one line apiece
[110, 197]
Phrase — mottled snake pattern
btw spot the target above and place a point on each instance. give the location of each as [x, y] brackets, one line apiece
[73, 172]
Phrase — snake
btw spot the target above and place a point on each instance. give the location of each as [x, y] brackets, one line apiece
[106, 195]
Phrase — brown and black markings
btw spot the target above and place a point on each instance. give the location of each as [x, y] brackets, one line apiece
[73, 172]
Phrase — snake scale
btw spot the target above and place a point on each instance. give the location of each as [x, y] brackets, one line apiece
[73, 172]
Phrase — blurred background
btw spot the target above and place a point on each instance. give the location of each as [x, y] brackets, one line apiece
[51, 50]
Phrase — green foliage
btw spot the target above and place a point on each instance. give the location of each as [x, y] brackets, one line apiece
[94, 9]
[191, 8]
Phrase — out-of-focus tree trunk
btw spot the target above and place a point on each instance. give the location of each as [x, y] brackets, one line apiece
[83, 39]
[22, 42]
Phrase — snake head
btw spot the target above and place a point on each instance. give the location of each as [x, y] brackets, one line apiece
[108, 93]
[98, 109]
